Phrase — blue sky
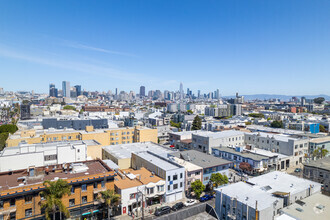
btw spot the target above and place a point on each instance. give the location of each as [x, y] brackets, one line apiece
[274, 47]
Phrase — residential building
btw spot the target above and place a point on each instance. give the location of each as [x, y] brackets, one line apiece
[319, 143]
[319, 171]
[209, 163]
[173, 173]
[20, 189]
[25, 111]
[26, 155]
[262, 197]
[283, 144]
[205, 141]
[138, 188]
[77, 123]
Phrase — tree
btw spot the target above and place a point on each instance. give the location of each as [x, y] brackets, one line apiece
[110, 198]
[69, 107]
[248, 123]
[197, 187]
[217, 179]
[8, 128]
[244, 166]
[3, 138]
[197, 123]
[257, 115]
[177, 125]
[322, 128]
[320, 152]
[319, 100]
[189, 112]
[276, 124]
[53, 194]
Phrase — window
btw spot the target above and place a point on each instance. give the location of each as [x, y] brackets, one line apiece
[150, 190]
[296, 147]
[128, 132]
[12, 216]
[71, 202]
[69, 137]
[84, 187]
[169, 187]
[12, 202]
[175, 177]
[181, 185]
[84, 199]
[169, 178]
[175, 186]
[160, 188]
[50, 157]
[72, 189]
[189, 174]
[95, 185]
[28, 199]
[181, 175]
[96, 196]
[103, 184]
[1, 204]
[28, 212]
[197, 173]
[132, 196]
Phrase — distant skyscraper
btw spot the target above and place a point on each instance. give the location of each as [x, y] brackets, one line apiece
[181, 91]
[217, 94]
[53, 92]
[66, 89]
[78, 90]
[142, 91]
[199, 93]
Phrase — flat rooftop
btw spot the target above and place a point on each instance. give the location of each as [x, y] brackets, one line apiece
[217, 135]
[248, 194]
[273, 130]
[323, 163]
[278, 137]
[187, 165]
[122, 151]
[277, 181]
[160, 162]
[79, 170]
[316, 206]
[200, 159]
[245, 154]
[267, 153]
[320, 140]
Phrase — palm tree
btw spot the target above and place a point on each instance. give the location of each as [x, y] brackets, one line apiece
[110, 198]
[53, 194]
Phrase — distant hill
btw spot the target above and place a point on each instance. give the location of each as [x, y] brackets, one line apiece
[282, 97]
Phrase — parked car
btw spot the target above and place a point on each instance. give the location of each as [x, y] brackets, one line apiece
[190, 202]
[297, 170]
[206, 198]
[177, 206]
[162, 210]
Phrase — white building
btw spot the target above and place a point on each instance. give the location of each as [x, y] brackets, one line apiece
[205, 141]
[26, 155]
[173, 173]
[262, 197]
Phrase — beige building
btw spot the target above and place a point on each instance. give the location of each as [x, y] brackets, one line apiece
[103, 137]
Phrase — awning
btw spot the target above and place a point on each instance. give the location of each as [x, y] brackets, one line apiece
[150, 185]
[160, 182]
[277, 193]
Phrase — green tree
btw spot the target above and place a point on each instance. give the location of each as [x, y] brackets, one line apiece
[217, 179]
[320, 152]
[197, 187]
[319, 100]
[257, 115]
[8, 128]
[322, 128]
[69, 107]
[190, 112]
[248, 123]
[276, 124]
[110, 198]
[53, 194]
[3, 138]
[197, 123]
[177, 125]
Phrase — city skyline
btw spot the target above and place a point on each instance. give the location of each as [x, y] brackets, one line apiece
[272, 49]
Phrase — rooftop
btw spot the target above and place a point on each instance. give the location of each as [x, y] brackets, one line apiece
[313, 207]
[245, 154]
[248, 194]
[122, 151]
[277, 181]
[320, 140]
[73, 171]
[187, 165]
[161, 162]
[323, 163]
[278, 137]
[200, 159]
[217, 135]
